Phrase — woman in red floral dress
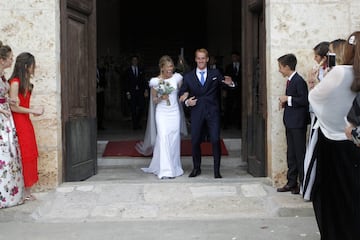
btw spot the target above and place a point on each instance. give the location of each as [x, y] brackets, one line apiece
[20, 87]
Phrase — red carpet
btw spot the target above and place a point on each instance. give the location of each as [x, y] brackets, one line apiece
[127, 148]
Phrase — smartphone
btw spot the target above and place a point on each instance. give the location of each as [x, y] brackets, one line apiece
[331, 60]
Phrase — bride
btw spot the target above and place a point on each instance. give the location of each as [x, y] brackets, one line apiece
[165, 123]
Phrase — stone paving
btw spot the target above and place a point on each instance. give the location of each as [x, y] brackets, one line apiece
[202, 198]
[123, 201]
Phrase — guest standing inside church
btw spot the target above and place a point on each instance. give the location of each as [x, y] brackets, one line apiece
[232, 96]
[136, 91]
[100, 94]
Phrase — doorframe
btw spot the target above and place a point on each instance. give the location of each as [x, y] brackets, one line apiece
[254, 107]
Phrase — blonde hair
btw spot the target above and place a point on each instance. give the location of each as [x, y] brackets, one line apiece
[165, 61]
[338, 47]
[202, 50]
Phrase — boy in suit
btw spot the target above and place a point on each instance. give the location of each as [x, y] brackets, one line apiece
[296, 117]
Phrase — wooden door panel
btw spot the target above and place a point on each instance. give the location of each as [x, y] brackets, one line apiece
[78, 88]
[80, 150]
[77, 65]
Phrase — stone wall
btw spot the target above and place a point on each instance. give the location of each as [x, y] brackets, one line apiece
[296, 26]
[33, 26]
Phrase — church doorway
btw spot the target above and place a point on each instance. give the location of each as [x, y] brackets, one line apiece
[125, 29]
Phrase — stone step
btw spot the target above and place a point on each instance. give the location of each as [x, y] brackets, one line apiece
[167, 200]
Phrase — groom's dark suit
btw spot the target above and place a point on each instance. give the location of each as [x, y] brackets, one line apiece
[205, 112]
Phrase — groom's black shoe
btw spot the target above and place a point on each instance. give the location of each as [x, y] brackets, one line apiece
[195, 172]
[217, 172]
[217, 175]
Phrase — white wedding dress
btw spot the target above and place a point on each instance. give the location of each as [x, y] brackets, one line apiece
[166, 150]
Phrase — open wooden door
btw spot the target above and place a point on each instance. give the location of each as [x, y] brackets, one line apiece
[78, 88]
[254, 145]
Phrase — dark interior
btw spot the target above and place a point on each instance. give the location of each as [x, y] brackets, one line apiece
[151, 29]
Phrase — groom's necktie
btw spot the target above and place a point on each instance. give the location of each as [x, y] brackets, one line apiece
[202, 78]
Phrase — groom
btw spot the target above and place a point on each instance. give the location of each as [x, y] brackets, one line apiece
[203, 85]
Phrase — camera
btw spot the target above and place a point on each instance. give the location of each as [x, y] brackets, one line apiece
[331, 59]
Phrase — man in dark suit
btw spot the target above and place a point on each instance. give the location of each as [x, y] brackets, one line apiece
[213, 64]
[296, 118]
[136, 91]
[203, 86]
[232, 96]
[100, 94]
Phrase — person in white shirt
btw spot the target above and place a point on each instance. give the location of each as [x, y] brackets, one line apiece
[336, 190]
